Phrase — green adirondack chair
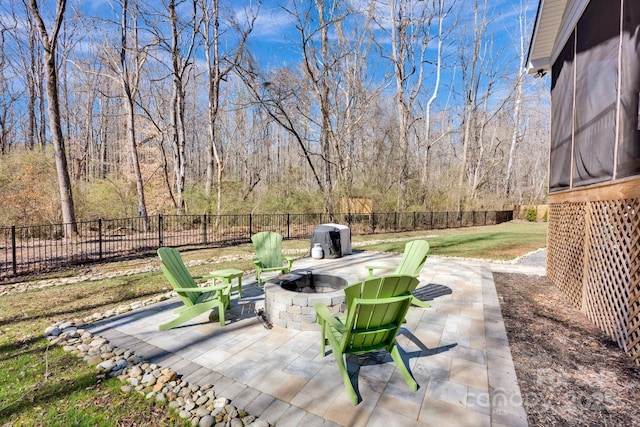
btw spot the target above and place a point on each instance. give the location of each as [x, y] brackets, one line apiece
[268, 245]
[387, 286]
[413, 259]
[196, 300]
[371, 325]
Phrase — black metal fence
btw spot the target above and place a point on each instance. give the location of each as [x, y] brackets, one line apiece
[39, 249]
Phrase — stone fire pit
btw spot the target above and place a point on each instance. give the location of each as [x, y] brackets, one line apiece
[289, 298]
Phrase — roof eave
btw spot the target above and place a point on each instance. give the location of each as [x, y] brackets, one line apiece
[548, 27]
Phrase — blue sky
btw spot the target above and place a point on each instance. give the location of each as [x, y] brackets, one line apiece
[275, 37]
[275, 41]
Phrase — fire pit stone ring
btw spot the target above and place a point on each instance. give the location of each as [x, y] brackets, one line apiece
[289, 298]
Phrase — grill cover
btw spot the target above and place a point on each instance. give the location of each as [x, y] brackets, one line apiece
[329, 238]
[345, 237]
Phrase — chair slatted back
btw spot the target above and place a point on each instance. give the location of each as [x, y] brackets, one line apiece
[177, 274]
[372, 324]
[413, 258]
[268, 246]
[381, 287]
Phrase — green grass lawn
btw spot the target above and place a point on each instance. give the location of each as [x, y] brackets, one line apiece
[496, 242]
[42, 385]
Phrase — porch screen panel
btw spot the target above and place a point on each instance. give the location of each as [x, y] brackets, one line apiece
[629, 143]
[597, 45]
[562, 113]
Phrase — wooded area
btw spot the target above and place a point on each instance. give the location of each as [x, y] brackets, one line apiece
[134, 107]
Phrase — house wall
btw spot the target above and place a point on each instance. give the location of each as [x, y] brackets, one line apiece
[595, 97]
[594, 202]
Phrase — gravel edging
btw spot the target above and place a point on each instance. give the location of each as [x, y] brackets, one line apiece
[198, 404]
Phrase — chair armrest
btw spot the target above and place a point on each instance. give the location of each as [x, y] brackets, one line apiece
[278, 268]
[378, 267]
[203, 289]
[289, 261]
[205, 276]
[323, 312]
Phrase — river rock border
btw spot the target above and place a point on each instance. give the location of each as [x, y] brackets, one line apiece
[199, 404]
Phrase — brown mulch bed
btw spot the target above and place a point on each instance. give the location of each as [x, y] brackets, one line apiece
[570, 373]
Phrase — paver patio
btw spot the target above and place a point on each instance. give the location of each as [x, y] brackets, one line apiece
[457, 350]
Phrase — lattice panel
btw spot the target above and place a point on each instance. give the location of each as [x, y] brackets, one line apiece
[611, 229]
[633, 340]
[605, 234]
[565, 249]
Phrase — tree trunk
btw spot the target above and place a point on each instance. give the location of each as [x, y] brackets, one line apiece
[53, 109]
[180, 61]
[30, 69]
[129, 90]
[424, 176]
[470, 83]
[399, 56]
[517, 102]
[325, 111]
[133, 149]
[215, 158]
[216, 75]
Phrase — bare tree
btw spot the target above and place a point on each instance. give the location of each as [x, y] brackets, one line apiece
[279, 94]
[353, 95]
[9, 96]
[219, 65]
[334, 71]
[127, 61]
[30, 66]
[181, 48]
[480, 79]
[486, 93]
[442, 11]
[343, 121]
[319, 69]
[24, 58]
[85, 90]
[515, 136]
[408, 25]
[470, 85]
[49, 43]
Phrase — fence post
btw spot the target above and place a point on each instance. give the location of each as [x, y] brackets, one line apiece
[204, 228]
[447, 221]
[250, 225]
[160, 230]
[288, 227]
[14, 263]
[414, 220]
[373, 223]
[99, 238]
[395, 221]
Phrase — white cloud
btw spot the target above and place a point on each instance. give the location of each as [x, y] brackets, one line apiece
[273, 23]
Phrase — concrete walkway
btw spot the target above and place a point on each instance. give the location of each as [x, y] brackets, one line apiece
[457, 350]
